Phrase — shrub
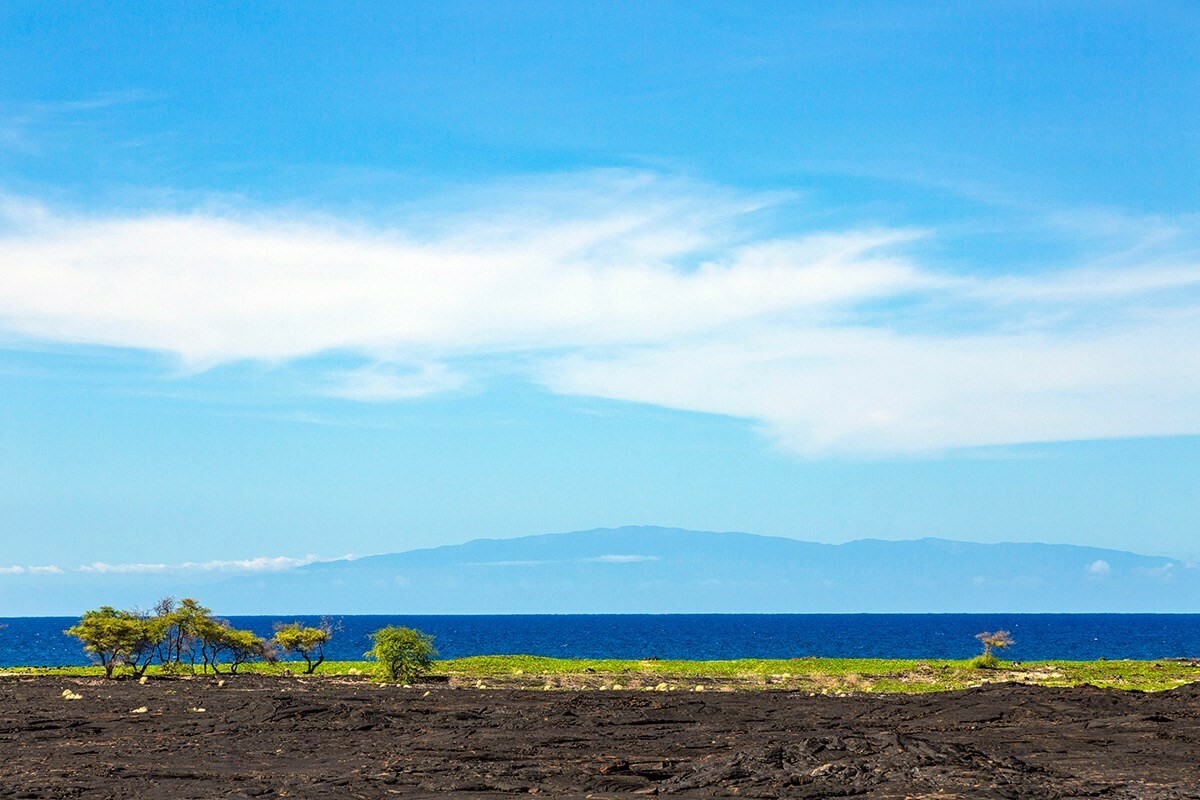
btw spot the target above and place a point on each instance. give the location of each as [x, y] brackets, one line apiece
[991, 641]
[306, 641]
[402, 654]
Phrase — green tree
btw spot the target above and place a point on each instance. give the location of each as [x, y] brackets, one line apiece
[119, 638]
[183, 622]
[221, 641]
[245, 646]
[402, 654]
[306, 641]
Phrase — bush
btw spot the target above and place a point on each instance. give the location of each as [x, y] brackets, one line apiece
[991, 641]
[306, 641]
[403, 654]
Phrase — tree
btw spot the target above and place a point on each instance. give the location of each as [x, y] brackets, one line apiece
[402, 654]
[991, 641]
[244, 646]
[119, 638]
[306, 641]
[183, 623]
[218, 638]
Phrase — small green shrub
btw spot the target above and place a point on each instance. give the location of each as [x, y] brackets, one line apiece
[986, 661]
[991, 641]
[401, 654]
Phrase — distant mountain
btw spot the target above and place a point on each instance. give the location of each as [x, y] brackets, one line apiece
[667, 570]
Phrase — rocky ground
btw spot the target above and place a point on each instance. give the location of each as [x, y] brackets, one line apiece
[332, 738]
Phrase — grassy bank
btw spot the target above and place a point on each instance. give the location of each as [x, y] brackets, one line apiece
[824, 675]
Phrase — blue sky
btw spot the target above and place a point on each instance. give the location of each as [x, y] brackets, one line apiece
[288, 281]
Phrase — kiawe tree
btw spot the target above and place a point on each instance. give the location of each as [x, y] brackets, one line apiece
[306, 641]
[219, 641]
[119, 638]
[184, 622]
[177, 635]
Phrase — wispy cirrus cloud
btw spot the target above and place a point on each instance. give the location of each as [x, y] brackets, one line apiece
[28, 127]
[32, 570]
[618, 559]
[639, 288]
[382, 383]
[259, 564]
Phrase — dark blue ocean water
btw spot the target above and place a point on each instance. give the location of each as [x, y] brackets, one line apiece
[40, 641]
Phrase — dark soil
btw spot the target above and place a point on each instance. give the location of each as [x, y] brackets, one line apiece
[330, 738]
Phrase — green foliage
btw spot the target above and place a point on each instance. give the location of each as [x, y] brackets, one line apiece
[984, 661]
[401, 654]
[177, 635]
[221, 641]
[823, 675]
[119, 638]
[184, 623]
[306, 641]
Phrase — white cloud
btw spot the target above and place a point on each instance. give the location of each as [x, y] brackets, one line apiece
[212, 289]
[1099, 568]
[875, 390]
[40, 570]
[260, 564]
[632, 287]
[380, 383]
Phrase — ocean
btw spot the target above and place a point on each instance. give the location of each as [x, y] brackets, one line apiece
[40, 641]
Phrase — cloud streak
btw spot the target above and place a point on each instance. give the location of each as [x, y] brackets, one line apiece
[260, 564]
[36, 570]
[637, 288]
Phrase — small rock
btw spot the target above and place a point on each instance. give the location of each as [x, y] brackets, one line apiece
[69, 695]
[139, 710]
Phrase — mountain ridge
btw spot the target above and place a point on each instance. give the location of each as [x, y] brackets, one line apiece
[654, 569]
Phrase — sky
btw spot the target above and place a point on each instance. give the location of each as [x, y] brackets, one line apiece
[282, 282]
